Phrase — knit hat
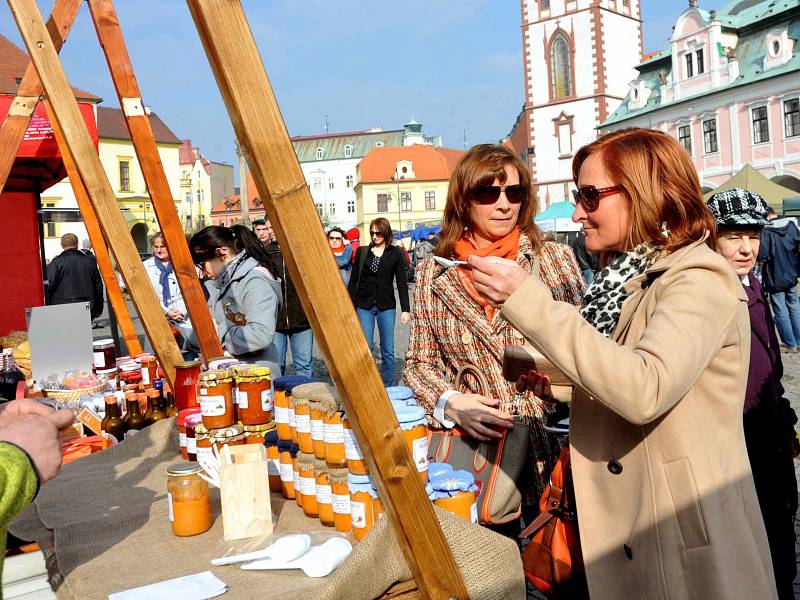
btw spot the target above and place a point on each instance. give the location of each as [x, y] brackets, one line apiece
[738, 207]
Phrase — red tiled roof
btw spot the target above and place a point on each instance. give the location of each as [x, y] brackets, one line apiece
[111, 126]
[14, 61]
[186, 154]
[649, 55]
[428, 163]
[252, 192]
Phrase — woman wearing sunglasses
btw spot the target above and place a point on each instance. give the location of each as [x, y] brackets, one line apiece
[488, 212]
[342, 254]
[244, 291]
[659, 355]
[376, 268]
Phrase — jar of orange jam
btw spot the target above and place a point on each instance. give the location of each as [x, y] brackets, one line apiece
[216, 399]
[281, 409]
[253, 394]
[317, 439]
[415, 430]
[340, 499]
[294, 452]
[291, 383]
[302, 424]
[332, 432]
[232, 436]
[324, 493]
[274, 462]
[202, 442]
[362, 507]
[308, 425]
[285, 468]
[455, 492]
[355, 459]
[255, 434]
[308, 484]
[189, 503]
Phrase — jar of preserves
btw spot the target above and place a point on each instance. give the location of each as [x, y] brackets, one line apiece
[104, 355]
[355, 459]
[181, 423]
[186, 375]
[255, 434]
[231, 436]
[308, 484]
[302, 424]
[253, 394]
[191, 422]
[149, 366]
[216, 399]
[274, 461]
[109, 376]
[455, 492]
[305, 394]
[415, 430]
[317, 433]
[222, 363]
[340, 499]
[362, 497]
[202, 441]
[285, 469]
[324, 493]
[130, 373]
[294, 452]
[291, 384]
[189, 503]
[332, 432]
[281, 409]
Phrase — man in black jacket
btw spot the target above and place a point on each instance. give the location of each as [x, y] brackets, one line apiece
[72, 276]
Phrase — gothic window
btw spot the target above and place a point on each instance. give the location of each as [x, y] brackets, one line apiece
[560, 68]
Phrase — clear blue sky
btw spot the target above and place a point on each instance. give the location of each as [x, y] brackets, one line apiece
[455, 64]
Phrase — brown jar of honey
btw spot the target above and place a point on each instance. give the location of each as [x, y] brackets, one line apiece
[324, 493]
[216, 399]
[254, 394]
[308, 484]
[340, 500]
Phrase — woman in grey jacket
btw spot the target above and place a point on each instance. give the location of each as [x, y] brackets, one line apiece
[244, 291]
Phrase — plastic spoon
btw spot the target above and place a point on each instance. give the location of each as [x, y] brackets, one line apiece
[317, 562]
[285, 549]
[447, 263]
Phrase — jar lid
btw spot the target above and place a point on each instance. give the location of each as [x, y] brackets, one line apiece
[211, 377]
[455, 481]
[399, 392]
[283, 445]
[245, 370]
[128, 366]
[358, 479]
[306, 458]
[361, 483]
[226, 433]
[261, 429]
[409, 414]
[320, 466]
[106, 371]
[193, 420]
[222, 362]
[297, 380]
[308, 389]
[437, 469]
[271, 437]
[103, 342]
[294, 450]
[182, 414]
[338, 474]
[187, 364]
[189, 467]
[200, 432]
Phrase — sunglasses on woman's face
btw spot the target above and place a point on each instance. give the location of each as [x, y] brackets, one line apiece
[589, 196]
[376, 234]
[335, 237]
[489, 194]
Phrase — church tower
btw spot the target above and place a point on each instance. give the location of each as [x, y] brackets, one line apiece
[579, 58]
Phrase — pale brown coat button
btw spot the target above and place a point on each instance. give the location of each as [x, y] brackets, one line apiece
[466, 337]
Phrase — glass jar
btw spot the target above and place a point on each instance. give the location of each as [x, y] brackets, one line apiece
[202, 441]
[332, 433]
[216, 399]
[355, 459]
[286, 469]
[149, 366]
[189, 503]
[130, 373]
[104, 355]
[308, 484]
[294, 451]
[191, 422]
[274, 461]
[317, 433]
[230, 436]
[455, 492]
[181, 423]
[256, 434]
[281, 409]
[362, 497]
[340, 500]
[185, 389]
[324, 493]
[109, 376]
[253, 394]
[304, 397]
[302, 424]
[291, 383]
[415, 430]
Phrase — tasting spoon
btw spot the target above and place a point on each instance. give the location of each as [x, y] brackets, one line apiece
[285, 549]
[447, 263]
[317, 562]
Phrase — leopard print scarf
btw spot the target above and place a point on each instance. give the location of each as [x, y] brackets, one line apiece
[602, 302]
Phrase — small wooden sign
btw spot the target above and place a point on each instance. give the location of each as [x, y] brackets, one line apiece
[244, 490]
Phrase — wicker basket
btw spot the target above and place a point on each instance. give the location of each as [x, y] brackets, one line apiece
[72, 397]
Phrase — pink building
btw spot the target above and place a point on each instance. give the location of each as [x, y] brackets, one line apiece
[728, 88]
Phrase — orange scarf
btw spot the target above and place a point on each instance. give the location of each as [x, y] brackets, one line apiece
[505, 247]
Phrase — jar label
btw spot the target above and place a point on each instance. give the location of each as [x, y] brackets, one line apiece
[241, 399]
[191, 445]
[182, 440]
[204, 455]
[282, 415]
[292, 417]
[341, 504]
[324, 495]
[203, 391]
[420, 452]
[302, 423]
[333, 434]
[145, 375]
[358, 513]
[296, 481]
[212, 406]
[99, 359]
[351, 449]
[473, 512]
[267, 400]
[308, 486]
[286, 472]
[316, 430]
[169, 505]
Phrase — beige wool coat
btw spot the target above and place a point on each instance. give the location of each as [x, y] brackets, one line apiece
[665, 496]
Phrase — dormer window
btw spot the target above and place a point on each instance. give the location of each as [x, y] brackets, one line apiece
[319, 153]
[639, 95]
[348, 151]
[780, 48]
[379, 144]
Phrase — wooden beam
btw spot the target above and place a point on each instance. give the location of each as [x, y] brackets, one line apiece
[29, 90]
[106, 24]
[259, 127]
[92, 177]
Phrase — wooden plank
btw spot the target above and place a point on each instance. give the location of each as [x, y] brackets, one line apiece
[90, 173]
[99, 245]
[29, 90]
[119, 64]
[259, 127]
[405, 590]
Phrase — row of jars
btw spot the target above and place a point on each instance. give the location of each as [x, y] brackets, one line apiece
[242, 393]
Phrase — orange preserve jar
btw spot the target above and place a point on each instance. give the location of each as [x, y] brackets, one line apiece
[415, 430]
[324, 493]
[455, 492]
[332, 432]
[308, 484]
[274, 461]
[362, 497]
[317, 439]
[189, 504]
[340, 499]
[355, 459]
[302, 424]
[294, 451]
[256, 434]
[281, 409]
[202, 442]
[216, 399]
[303, 397]
[254, 394]
[285, 468]
[149, 366]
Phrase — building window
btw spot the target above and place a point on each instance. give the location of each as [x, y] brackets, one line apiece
[560, 68]
[188, 226]
[202, 221]
[188, 196]
[626, 3]
[199, 196]
[51, 229]
[760, 125]
[351, 206]
[379, 144]
[319, 153]
[383, 202]
[331, 209]
[317, 184]
[348, 151]
[330, 184]
[430, 200]
[791, 117]
[348, 181]
[405, 200]
[700, 64]
[125, 176]
[710, 136]
[319, 209]
[689, 66]
[545, 5]
[685, 137]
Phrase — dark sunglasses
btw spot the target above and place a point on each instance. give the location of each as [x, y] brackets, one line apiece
[589, 196]
[335, 237]
[374, 233]
[489, 194]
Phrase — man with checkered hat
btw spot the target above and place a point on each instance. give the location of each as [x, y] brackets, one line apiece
[769, 421]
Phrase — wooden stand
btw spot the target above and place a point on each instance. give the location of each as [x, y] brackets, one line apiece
[244, 489]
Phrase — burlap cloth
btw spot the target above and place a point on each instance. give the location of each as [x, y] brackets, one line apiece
[103, 526]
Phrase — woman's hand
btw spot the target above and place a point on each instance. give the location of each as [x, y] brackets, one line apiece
[173, 314]
[405, 317]
[477, 416]
[537, 383]
[496, 278]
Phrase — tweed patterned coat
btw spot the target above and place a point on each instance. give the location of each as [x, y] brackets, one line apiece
[449, 330]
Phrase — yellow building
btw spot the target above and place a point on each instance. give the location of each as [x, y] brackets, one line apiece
[204, 184]
[405, 184]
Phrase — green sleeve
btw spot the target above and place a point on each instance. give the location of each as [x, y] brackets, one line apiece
[18, 482]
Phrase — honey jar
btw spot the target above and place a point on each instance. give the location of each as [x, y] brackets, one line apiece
[281, 409]
[332, 432]
[308, 425]
[186, 376]
[362, 498]
[324, 493]
[149, 365]
[274, 462]
[291, 384]
[285, 468]
[355, 459]
[302, 424]
[308, 484]
[317, 433]
[216, 399]
[415, 430]
[254, 395]
[294, 452]
[455, 492]
[340, 499]
[188, 500]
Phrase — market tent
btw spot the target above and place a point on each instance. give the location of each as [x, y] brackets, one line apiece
[750, 179]
[557, 217]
